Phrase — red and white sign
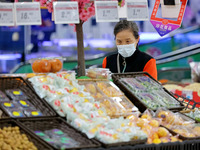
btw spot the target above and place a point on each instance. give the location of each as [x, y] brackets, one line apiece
[137, 10]
[28, 13]
[106, 11]
[6, 14]
[66, 12]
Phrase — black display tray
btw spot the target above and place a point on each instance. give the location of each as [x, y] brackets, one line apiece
[48, 123]
[19, 83]
[135, 100]
[36, 141]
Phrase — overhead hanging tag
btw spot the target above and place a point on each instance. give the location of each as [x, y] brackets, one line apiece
[106, 11]
[28, 13]
[164, 26]
[170, 8]
[66, 12]
[6, 14]
[137, 10]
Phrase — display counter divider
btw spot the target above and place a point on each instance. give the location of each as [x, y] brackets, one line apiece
[48, 123]
[31, 137]
[7, 83]
[135, 100]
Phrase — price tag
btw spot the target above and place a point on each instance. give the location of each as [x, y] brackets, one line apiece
[28, 13]
[6, 14]
[137, 10]
[66, 12]
[106, 11]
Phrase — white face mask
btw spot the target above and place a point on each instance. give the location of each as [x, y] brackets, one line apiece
[126, 50]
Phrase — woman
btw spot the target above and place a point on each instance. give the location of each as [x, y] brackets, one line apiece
[129, 58]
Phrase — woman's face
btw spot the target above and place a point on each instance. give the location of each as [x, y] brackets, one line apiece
[125, 37]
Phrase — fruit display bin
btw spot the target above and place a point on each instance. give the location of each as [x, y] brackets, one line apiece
[7, 83]
[48, 123]
[36, 141]
[155, 87]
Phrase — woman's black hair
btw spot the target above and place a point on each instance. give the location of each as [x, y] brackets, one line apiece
[127, 25]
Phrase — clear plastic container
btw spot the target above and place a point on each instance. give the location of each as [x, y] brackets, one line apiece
[32, 113]
[55, 133]
[148, 82]
[133, 84]
[15, 113]
[98, 73]
[150, 100]
[125, 104]
[3, 97]
[92, 89]
[9, 105]
[25, 104]
[167, 99]
[16, 94]
[109, 89]
[111, 108]
[46, 65]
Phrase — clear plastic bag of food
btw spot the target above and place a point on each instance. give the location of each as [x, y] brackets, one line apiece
[98, 73]
[46, 65]
[147, 114]
[184, 131]
[195, 71]
[166, 115]
[170, 119]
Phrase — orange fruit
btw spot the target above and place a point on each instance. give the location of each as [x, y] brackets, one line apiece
[36, 66]
[56, 65]
[45, 66]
